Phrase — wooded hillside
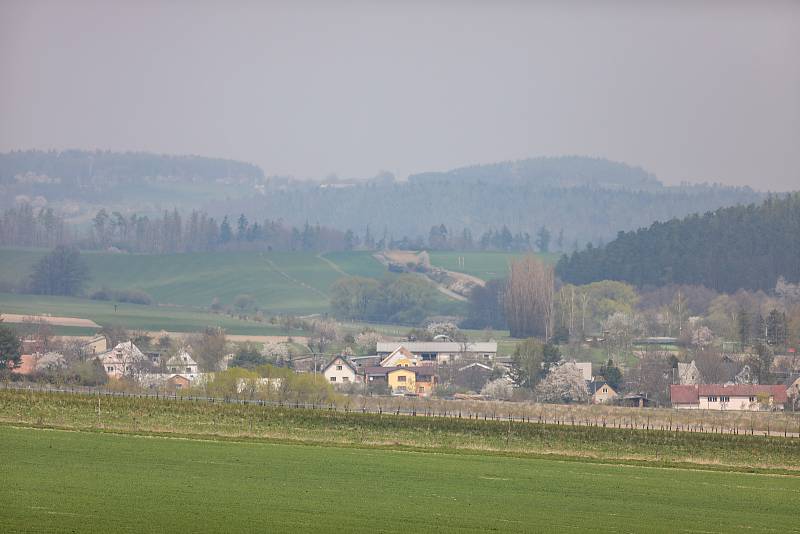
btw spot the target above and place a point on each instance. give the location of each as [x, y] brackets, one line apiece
[729, 249]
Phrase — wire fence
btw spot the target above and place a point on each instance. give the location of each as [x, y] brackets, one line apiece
[740, 423]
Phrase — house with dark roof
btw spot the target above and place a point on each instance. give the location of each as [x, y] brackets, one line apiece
[750, 397]
[601, 392]
[404, 380]
[340, 371]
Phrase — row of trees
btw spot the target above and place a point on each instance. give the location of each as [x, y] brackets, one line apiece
[200, 232]
[24, 225]
[441, 238]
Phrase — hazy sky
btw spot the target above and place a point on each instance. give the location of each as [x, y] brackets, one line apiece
[691, 91]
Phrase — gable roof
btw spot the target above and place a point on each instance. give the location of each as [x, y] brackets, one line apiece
[396, 354]
[688, 373]
[595, 385]
[344, 362]
[181, 358]
[125, 352]
[476, 364]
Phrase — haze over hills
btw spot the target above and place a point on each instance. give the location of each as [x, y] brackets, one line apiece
[578, 199]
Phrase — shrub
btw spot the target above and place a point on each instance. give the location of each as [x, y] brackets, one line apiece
[131, 296]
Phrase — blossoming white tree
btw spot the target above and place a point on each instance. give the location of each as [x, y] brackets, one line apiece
[565, 383]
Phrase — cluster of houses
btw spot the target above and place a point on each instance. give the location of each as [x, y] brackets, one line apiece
[150, 369]
[125, 360]
[411, 368]
[414, 368]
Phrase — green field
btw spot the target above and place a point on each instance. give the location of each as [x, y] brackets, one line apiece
[280, 282]
[485, 265]
[85, 463]
[58, 481]
[130, 316]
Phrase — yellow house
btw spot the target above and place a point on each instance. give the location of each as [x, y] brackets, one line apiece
[417, 380]
[402, 380]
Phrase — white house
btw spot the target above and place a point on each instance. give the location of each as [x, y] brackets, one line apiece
[124, 360]
[182, 363]
[749, 397]
[339, 372]
[442, 352]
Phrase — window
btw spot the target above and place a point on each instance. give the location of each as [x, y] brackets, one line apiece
[338, 367]
[752, 399]
[401, 378]
[421, 389]
[712, 399]
[345, 379]
[724, 398]
[333, 379]
[110, 369]
[188, 369]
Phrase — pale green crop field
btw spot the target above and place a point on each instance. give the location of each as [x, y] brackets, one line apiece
[57, 481]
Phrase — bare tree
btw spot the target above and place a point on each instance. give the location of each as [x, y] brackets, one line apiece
[529, 298]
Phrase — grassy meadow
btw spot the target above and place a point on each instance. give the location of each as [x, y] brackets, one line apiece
[130, 316]
[282, 282]
[94, 482]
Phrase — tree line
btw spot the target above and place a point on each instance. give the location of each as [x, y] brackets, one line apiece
[741, 247]
[172, 232]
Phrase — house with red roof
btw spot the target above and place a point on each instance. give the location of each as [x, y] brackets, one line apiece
[749, 397]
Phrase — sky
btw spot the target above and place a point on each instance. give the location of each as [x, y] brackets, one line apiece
[692, 91]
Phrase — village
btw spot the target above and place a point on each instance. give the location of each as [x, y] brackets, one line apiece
[456, 370]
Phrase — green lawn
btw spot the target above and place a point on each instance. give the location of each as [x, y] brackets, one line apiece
[280, 282]
[130, 316]
[57, 481]
[485, 265]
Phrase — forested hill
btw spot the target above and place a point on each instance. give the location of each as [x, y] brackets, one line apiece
[732, 248]
[103, 176]
[562, 172]
[579, 199]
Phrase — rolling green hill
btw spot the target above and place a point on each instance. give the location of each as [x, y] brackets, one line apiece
[290, 282]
